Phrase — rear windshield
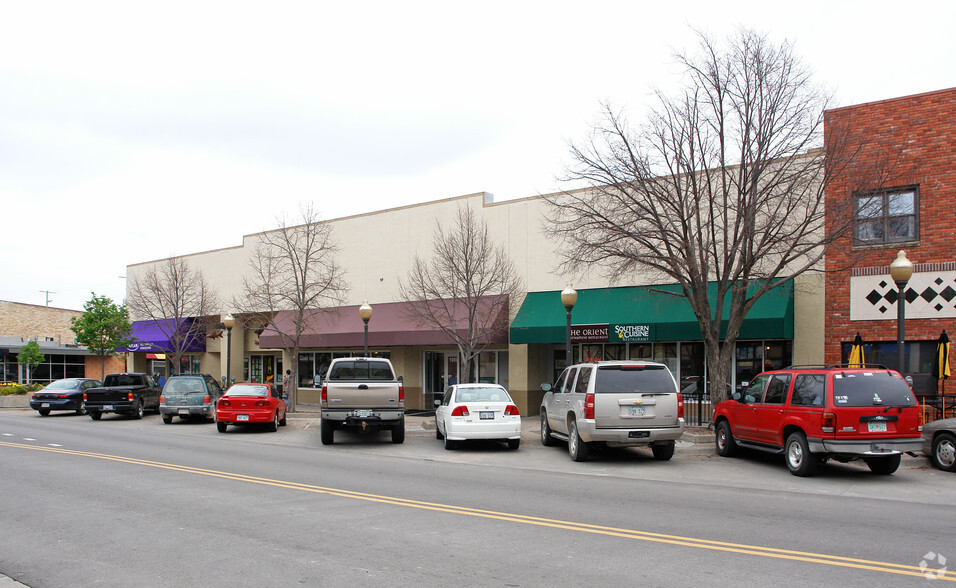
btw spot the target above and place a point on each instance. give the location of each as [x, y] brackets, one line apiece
[184, 386]
[360, 370]
[624, 378]
[489, 394]
[871, 389]
[248, 390]
[61, 385]
[123, 380]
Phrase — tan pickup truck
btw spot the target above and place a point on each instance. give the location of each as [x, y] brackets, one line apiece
[362, 393]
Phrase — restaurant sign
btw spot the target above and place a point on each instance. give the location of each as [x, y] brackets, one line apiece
[589, 333]
[604, 333]
[630, 333]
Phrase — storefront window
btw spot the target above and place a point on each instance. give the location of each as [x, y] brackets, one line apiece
[692, 368]
[488, 367]
[666, 353]
[593, 352]
[614, 351]
[640, 351]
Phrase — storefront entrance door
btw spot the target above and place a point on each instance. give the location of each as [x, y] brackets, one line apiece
[441, 371]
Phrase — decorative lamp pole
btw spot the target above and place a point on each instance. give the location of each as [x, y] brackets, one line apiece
[568, 297]
[365, 311]
[901, 270]
[228, 322]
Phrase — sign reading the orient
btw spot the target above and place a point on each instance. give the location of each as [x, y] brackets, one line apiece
[589, 333]
[630, 333]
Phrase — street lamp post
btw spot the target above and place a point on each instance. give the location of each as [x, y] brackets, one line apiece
[901, 270]
[568, 297]
[365, 311]
[228, 322]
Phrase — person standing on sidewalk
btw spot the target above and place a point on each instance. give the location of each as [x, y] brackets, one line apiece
[288, 382]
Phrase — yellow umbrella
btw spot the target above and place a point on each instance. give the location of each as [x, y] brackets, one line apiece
[856, 353]
[941, 359]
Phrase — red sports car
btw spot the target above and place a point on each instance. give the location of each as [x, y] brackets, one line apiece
[243, 404]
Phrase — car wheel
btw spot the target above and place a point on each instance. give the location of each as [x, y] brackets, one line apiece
[138, 412]
[327, 432]
[546, 439]
[664, 452]
[449, 444]
[282, 421]
[274, 425]
[578, 449]
[81, 409]
[167, 419]
[221, 426]
[438, 434]
[726, 445]
[94, 414]
[884, 466]
[799, 459]
[514, 443]
[944, 452]
[44, 412]
[398, 431]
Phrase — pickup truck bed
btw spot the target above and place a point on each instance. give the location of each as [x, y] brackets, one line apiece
[362, 393]
[127, 393]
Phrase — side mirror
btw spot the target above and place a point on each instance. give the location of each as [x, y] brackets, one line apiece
[546, 387]
[438, 403]
[737, 396]
[749, 399]
[317, 382]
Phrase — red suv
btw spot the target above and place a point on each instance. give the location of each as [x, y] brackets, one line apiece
[812, 414]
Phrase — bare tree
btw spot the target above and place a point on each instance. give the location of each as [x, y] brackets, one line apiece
[179, 302]
[724, 184]
[465, 289]
[293, 269]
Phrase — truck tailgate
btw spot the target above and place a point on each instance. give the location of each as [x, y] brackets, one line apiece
[363, 395]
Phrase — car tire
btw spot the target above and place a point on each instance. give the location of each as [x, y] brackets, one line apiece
[665, 451]
[724, 440]
[327, 432]
[94, 414]
[577, 447]
[438, 433]
[944, 452]
[274, 425]
[283, 420]
[449, 444]
[44, 412]
[398, 431]
[81, 409]
[514, 443]
[797, 454]
[167, 419]
[884, 466]
[221, 426]
[546, 439]
[138, 411]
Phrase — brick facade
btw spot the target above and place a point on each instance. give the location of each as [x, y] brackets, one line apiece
[917, 134]
[29, 321]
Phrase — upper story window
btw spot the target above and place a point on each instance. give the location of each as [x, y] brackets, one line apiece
[887, 216]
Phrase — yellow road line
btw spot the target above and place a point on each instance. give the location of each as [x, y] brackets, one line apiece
[771, 552]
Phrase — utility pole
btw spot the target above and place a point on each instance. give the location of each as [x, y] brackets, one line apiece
[48, 292]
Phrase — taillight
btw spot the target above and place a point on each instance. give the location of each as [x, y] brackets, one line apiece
[324, 399]
[589, 406]
[206, 399]
[224, 402]
[261, 403]
[828, 422]
[84, 396]
[129, 396]
[919, 421]
[511, 409]
[62, 396]
[680, 406]
[162, 399]
[401, 393]
[460, 410]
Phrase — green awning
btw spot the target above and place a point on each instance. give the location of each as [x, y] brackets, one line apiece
[644, 313]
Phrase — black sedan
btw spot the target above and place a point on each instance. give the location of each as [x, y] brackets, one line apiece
[66, 394]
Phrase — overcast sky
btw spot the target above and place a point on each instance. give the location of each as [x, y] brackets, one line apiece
[133, 131]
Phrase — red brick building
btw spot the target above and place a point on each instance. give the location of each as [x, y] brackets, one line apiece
[907, 203]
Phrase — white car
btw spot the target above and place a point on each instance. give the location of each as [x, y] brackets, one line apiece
[477, 411]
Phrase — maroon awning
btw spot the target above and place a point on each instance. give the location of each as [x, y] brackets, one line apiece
[391, 326]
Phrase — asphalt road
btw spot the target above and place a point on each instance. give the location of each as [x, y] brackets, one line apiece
[121, 502]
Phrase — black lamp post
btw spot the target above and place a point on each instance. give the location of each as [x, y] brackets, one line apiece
[901, 270]
[228, 322]
[365, 311]
[568, 297]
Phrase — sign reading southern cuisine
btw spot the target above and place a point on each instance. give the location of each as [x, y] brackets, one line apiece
[605, 333]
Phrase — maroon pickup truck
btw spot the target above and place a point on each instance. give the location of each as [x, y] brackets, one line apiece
[128, 393]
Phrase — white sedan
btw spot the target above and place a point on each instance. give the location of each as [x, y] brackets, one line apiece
[477, 411]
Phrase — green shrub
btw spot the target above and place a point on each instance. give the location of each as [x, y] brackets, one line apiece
[8, 389]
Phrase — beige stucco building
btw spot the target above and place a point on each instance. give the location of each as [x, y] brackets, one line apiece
[377, 250]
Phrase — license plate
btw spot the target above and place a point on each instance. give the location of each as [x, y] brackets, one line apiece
[242, 417]
[363, 413]
[876, 427]
[107, 407]
[486, 415]
[183, 411]
[636, 410]
[44, 405]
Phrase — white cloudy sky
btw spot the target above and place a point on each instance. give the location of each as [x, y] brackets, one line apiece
[131, 131]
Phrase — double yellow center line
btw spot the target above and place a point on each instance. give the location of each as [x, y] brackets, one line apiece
[756, 550]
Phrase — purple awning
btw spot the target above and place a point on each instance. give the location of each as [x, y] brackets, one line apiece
[157, 336]
[391, 326]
